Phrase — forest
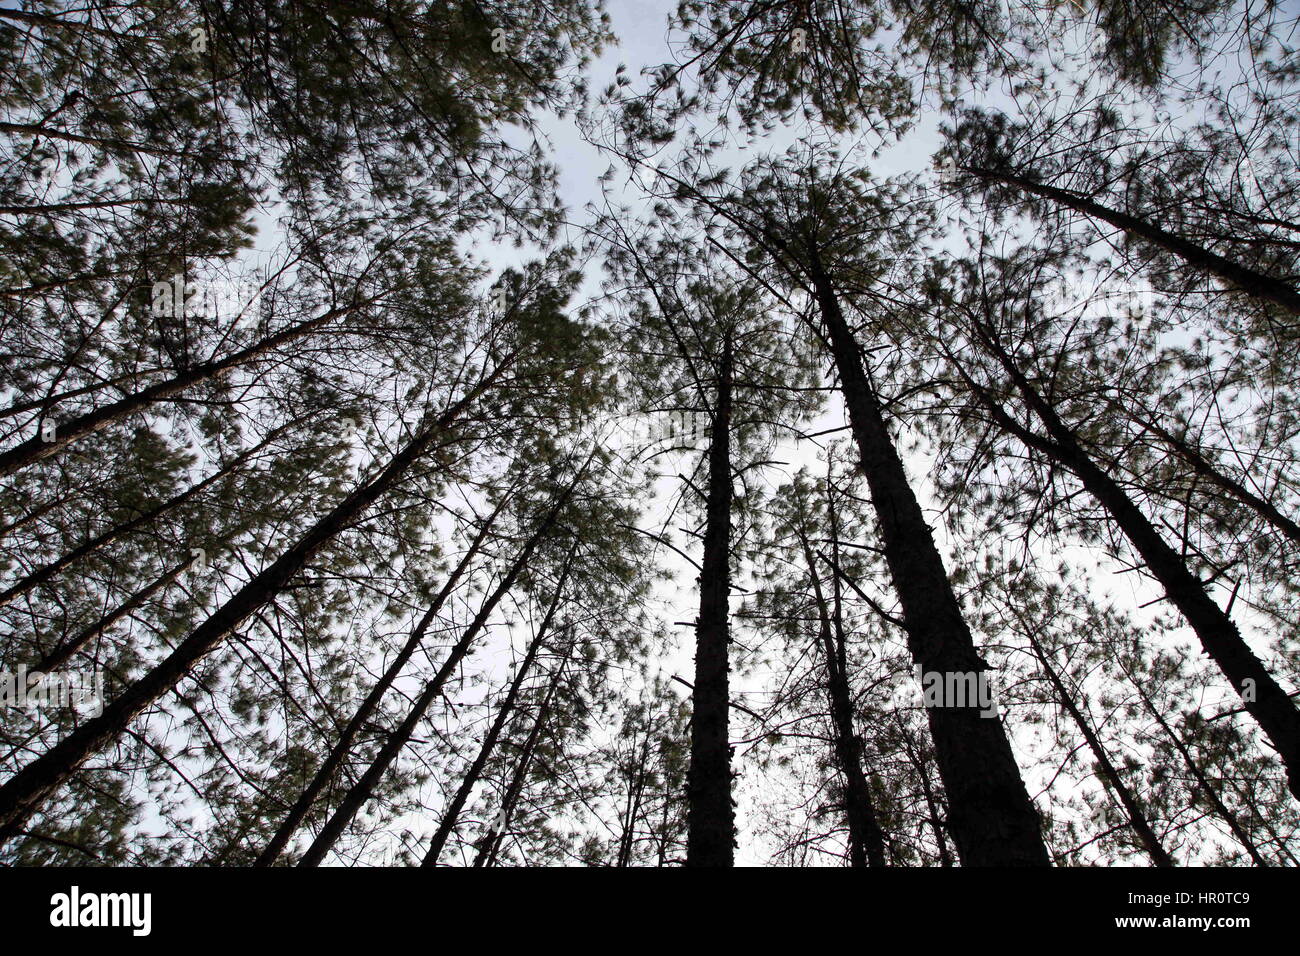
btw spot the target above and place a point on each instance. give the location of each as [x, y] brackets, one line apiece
[705, 433]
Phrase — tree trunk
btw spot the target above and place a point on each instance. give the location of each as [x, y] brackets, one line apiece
[1263, 698]
[36, 131]
[1136, 815]
[990, 816]
[61, 654]
[399, 737]
[54, 208]
[1206, 787]
[503, 715]
[37, 449]
[918, 762]
[866, 839]
[636, 792]
[710, 817]
[343, 746]
[488, 846]
[47, 571]
[28, 518]
[1200, 466]
[29, 787]
[1234, 274]
[49, 401]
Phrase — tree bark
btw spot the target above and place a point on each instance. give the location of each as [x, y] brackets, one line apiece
[990, 816]
[50, 400]
[399, 737]
[710, 817]
[866, 839]
[491, 842]
[1263, 698]
[343, 746]
[1198, 775]
[1237, 276]
[931, 801]
[105, 538]
[1200, 466]
[61, 654]
[23, 793]
[636, 791]
[1132, 807]
[37, 131]
[452, 814]
[37, 449]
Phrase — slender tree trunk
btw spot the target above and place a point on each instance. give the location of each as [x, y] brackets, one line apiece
[636, 792]
[491, 842]
[662, 855]
[866, 839]
[45, 21]
[1132, 807]
[711, 825]
[34, 130]
[1198, 775]
[1276, 842]
[28, 518]
[343, 746]
[49, 401]
[842, 702]
[51, 209]
[37, 448]
[1200, 466]
[503, 715]
[1234, 274]
[990, 816]
[144, 519]
[51, 284]
[1263, 698]
[61, 654]
[23, 793]
[361, 791]
[927, 791]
